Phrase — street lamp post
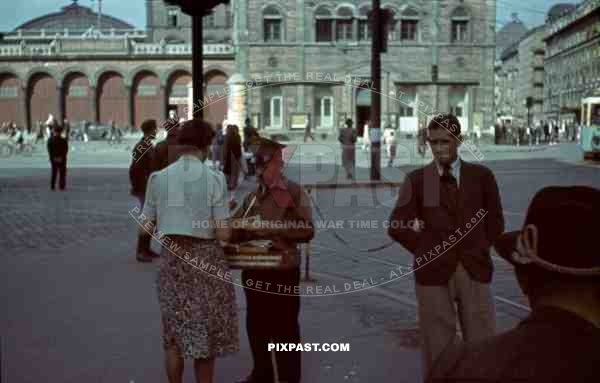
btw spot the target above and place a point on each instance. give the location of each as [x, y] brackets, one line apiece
[197, 10]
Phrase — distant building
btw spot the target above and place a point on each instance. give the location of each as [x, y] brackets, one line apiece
[75, 65]
[519, 75]
[328, 44]
[440, 59]
[510, 33]
[572, 61]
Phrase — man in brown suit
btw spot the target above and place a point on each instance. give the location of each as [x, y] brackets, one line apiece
[459, 208]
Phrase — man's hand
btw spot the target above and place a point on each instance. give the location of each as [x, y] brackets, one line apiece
[232, 204]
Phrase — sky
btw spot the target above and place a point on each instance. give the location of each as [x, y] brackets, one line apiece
[16, 12]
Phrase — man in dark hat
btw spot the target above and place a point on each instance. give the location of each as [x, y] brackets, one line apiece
[58, 148]
[557, 264]
[139, 171]
[273, 309]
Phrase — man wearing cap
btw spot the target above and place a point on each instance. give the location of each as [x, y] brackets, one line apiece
[459, 206]
[557, 264]
[273, 308]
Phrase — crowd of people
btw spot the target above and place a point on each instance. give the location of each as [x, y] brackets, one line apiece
[543, 132]
[557, 268]
[556, 265]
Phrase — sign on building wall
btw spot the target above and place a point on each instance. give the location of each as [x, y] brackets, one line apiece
[298, 121]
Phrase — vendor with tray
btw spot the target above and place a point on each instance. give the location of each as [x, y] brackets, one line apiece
[279, 211]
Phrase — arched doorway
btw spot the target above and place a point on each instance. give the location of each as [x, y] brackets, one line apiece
[112, 99]
[77, 96]
[177, 91]
[363, 109]
[43, 98]
[9, 99]
[214, 112]
[147, 100]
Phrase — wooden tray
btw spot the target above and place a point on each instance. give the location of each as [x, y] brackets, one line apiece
[251, 257]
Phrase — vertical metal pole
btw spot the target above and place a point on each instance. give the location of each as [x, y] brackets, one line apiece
[197, 65]
[375, 128]
[307, 250]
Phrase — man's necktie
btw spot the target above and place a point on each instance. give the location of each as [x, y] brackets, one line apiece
[451, 186]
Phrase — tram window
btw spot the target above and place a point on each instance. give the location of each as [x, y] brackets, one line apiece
[595, 114]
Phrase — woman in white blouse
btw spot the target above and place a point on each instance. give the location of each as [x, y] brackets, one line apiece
[187, 204]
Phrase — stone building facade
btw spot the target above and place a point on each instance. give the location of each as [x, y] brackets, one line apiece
[75, 65]
[572, 60]
[71, 66]
[520, 74]
[327, 45]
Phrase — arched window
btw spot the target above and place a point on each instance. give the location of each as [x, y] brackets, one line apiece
[344, 24]
[323, 24]
[460, 25]
[364, 28]
[409, 25]
[272, 25]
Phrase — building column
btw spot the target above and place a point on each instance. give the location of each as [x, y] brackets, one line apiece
[94, 104]
[301, 39]
[385, 91]
[61, 104]
[130, 106]
[165, 104]
[24, 115]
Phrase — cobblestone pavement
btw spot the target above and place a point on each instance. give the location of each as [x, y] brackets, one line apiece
[79, 308]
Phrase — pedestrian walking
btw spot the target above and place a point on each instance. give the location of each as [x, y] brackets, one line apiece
[422, 141]
[307, 129]
[58, 149]
[232, 155]
[198, 308]
[452, 263]
[558, 269]
[347, 138]
[217, 148]
[272, 313]
[366, 138]
[249, 132]
[389, 140]
[140, 169]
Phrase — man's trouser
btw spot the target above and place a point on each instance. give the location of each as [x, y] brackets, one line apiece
[145, 239]
[438, 307]
[59, 169]
[273, 318]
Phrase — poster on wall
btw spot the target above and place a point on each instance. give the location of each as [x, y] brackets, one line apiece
[298, 121]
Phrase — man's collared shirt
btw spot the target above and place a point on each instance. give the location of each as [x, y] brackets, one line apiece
[454, 169]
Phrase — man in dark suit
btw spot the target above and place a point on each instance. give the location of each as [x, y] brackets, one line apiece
[458, 208]
[139, 171]
[58, 148]
[558, 267]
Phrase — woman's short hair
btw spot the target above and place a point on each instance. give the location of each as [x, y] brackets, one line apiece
[197, 133]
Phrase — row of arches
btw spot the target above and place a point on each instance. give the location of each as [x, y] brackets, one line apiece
[108, 98]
